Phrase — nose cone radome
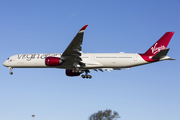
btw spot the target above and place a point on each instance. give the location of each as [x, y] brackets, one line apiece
[5, 64]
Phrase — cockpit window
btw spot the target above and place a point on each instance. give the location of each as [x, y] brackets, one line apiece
[8, 59]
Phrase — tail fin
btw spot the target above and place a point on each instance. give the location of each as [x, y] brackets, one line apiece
[161, 44]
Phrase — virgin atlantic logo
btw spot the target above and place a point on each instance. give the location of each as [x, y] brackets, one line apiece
[157, 49]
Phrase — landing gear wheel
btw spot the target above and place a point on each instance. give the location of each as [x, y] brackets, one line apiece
[89, 76]
[10, 73]
[86, 75]
[83, 76]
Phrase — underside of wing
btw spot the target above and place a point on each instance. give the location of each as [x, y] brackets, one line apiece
[71, 56]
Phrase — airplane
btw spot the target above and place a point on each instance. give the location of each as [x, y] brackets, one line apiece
[75, 62]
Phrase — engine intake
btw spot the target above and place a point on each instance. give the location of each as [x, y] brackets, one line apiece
[53, 61]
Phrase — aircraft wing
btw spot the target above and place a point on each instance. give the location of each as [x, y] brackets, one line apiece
[71, 56]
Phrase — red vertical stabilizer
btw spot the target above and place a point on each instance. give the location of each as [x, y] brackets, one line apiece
[161, 44]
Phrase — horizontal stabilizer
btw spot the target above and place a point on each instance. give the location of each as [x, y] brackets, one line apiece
[171, 59]
[161, 54]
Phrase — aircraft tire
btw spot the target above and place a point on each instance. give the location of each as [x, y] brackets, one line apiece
[83, 76]
[11, 73]
[89, 76]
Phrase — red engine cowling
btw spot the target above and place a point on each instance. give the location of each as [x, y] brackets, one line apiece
[70, 73]
[53, 61]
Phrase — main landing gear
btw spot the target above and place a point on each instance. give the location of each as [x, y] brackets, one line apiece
[77, 70]
[86, 75]
[10, 70]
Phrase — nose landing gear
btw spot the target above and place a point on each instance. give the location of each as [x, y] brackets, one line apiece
[10, 70]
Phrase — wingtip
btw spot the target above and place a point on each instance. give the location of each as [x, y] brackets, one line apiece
[83, 28]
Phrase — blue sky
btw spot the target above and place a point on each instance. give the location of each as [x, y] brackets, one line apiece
[149, 92]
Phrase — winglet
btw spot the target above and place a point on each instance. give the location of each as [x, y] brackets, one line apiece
[83, 28]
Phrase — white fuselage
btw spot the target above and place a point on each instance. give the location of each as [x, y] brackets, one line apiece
[91, 60]
[75, 62]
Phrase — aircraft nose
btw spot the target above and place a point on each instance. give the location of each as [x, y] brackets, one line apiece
[5, 64]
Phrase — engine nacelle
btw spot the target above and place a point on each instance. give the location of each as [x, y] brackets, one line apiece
[70, 73]
[53, 61]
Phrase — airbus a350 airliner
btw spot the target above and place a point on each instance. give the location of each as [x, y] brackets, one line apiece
[75, 62]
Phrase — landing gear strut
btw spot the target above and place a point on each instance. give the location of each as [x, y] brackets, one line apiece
[86, 75]
[10, 70]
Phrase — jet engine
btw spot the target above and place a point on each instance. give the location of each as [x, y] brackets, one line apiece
[53, 61]
[70, 73]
